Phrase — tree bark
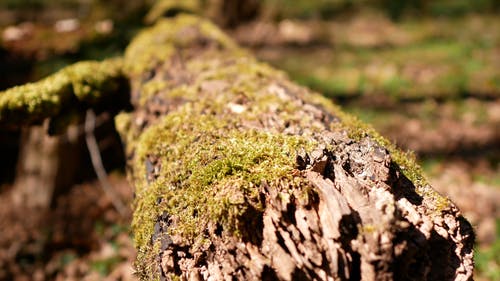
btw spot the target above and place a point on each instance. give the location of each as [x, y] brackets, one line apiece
[47, 165]
[241, 174]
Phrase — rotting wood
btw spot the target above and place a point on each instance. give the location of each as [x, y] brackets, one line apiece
[242, 175]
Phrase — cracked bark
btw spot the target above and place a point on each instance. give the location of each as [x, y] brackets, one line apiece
[362, 218]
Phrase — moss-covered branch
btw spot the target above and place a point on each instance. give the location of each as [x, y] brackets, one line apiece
[84, 84]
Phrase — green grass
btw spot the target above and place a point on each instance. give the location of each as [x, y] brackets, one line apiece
[442, 69]
[445, 58]
[491, 180]
[488, 259]
[105, 266]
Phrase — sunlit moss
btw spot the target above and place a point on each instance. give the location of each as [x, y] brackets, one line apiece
[86, 83]
[91, 81]
[151, 88]
[210, 171]
[35, 101]
[155, 45]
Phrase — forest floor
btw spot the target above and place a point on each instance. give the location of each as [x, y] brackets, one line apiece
[432, 86]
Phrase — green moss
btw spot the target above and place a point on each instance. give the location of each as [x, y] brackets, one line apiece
[151, 88]
[147, 261]
[34, 101]
[91, 80]
[153, 46]
[210, 171]
[210, 157]
[123, 125]
[86, 83]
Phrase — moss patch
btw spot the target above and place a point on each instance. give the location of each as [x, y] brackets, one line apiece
[155, 45]
[82, 84]
[210, 171]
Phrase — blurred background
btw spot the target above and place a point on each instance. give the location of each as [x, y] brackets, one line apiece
[425, 74]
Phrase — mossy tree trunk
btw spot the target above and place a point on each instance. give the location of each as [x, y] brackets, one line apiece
[241, 174]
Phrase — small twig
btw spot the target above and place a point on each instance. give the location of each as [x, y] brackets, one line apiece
[95, 156]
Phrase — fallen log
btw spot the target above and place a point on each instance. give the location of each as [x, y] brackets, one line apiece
[241, 174]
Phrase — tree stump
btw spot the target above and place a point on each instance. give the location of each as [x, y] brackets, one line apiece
[241, 174]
